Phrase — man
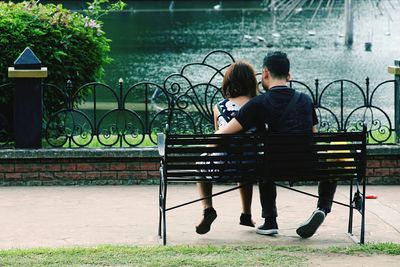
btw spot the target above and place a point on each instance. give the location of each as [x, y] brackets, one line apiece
[267, 110]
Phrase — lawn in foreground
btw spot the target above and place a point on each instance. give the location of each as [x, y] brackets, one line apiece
[110, 255]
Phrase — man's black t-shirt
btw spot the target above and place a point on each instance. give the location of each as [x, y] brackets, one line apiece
[267, 108]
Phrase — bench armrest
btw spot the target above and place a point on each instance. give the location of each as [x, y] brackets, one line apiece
[161, 144]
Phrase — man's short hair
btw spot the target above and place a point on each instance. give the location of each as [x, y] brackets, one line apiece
[277, 64]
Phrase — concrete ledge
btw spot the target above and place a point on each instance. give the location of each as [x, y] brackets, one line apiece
[378, 150]
[383, 150]
[52, 153]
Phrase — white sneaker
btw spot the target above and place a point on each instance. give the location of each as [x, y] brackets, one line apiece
[309, 227]
[268, 228]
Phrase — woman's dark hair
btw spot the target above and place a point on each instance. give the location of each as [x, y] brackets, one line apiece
[239, 80]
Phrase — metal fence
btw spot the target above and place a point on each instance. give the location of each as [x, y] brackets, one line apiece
[131, 116]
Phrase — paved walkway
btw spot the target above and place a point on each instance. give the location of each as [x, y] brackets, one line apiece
[87, 216]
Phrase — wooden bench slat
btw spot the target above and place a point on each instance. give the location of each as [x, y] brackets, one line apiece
[213, 166]
[337, 156]
[314, 147]
[216, 141]
[197, 158]
[205, 149]
[335, 147]
[195, 174]
[345, 137]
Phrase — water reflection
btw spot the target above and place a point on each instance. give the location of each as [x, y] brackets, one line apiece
[151, 45]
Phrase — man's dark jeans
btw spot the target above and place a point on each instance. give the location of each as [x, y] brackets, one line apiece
[326, 192]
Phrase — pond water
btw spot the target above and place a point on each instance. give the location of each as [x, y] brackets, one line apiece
[149, 41]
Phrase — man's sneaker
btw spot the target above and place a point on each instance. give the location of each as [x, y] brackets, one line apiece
[309, 227]
[270, 227]
[209, 216]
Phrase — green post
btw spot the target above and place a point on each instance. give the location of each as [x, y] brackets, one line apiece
[395, 70]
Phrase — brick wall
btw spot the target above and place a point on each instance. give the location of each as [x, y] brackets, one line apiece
[79, 167]
[383, 169]
[133, 166]
[78, 171]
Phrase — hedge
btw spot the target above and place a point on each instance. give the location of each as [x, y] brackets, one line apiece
[71, 45]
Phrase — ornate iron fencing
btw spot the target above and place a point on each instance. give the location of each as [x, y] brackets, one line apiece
[131, 116]
[343, 105]
[184, 101]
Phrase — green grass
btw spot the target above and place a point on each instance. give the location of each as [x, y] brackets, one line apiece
[110, 140]
[373, 248]
[378, 136]
[148, 143]
[110, 255]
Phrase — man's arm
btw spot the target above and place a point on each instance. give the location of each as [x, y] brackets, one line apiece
[232, 127]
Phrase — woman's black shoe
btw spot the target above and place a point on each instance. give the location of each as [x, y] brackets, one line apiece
[209, 216]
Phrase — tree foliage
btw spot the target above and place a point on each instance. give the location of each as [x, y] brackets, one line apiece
[71, 45]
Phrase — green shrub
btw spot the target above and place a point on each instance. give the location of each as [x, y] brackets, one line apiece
[70, 44]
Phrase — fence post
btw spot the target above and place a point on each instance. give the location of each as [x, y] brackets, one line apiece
[27, 74]
[395, 70]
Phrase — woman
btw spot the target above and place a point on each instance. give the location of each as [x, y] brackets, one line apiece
[239, 86]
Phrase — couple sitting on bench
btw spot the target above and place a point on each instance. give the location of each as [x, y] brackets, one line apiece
[281, 110]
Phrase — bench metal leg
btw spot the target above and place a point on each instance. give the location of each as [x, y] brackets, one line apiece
[159, 206]
[363, 213]
[350, 224]
[164, 215]
[359, 204]
[162, 225]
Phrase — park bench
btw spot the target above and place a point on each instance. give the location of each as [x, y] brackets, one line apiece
[250, 158]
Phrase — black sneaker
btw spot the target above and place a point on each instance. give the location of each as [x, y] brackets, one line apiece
[245, 219]
[209, 216]
[270, 227]
[309, 227]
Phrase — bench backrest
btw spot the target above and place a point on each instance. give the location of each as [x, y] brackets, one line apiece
[321, 156]
[280, 157]
[217, 157]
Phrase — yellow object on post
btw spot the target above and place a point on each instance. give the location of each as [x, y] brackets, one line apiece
[15, 73]
[395, 70]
